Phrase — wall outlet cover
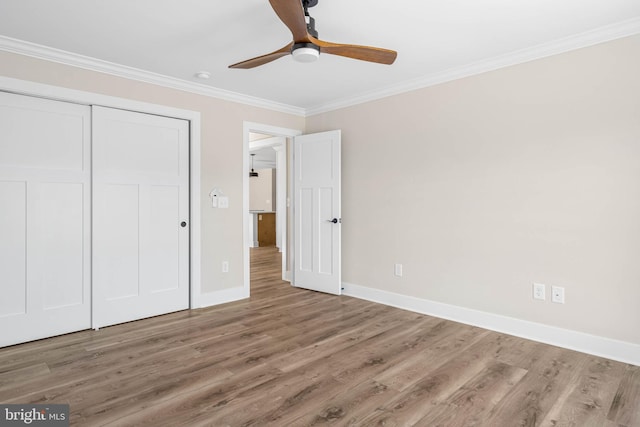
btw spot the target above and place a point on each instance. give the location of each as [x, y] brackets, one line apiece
[539, 291]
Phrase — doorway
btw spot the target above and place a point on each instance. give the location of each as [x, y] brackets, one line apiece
[274, 140]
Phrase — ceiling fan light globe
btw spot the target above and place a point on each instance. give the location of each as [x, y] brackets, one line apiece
[305, 54]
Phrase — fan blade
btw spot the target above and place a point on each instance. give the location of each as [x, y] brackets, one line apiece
[264, 59]
[292, 14]
[363, 53]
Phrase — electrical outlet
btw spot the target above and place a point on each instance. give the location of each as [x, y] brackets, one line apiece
[539, 291]
[557, 294]
[225, 266]
[398, 270]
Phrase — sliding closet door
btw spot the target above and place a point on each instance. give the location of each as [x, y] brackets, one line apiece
[44, 218]
[140, 215]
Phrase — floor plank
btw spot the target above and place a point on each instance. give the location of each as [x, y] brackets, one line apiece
[292, 357]
[625, 408]
[473, 402]
[587, 399]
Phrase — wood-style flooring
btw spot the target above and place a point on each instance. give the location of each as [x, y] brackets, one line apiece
[290, 357]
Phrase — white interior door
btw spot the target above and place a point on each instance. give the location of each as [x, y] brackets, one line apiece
[141, 214]
[45, 193]
[317, 220]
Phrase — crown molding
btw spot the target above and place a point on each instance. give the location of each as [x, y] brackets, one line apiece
[34, 50]
[588, 38]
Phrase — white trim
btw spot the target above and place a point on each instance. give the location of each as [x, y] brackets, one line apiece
[224, 296]
[281, 202]
[89, 98]
[195, 272]
[588, 38]
[599, 346]
[291, 254]
[274, 142]
[249, 127]
[38, 51]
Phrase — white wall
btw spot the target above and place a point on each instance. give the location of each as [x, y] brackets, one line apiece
[484, 185]
[221, 140]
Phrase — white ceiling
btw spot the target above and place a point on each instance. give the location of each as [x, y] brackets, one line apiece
[265, 158]
[434, 39]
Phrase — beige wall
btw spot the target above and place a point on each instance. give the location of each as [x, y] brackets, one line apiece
[262, 191]
[484, 185]
[479, 187]
[221, 140]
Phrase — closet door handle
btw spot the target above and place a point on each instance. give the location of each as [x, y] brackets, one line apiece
[183, 224]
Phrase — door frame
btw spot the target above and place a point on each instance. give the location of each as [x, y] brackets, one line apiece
[252, 127]
[279, 145]
[23, 87]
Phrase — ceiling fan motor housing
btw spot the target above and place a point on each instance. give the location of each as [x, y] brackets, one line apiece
[305, 52]
[295, 15]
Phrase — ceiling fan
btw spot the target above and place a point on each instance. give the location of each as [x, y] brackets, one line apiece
[306, 47]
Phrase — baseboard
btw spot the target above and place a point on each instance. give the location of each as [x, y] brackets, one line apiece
[599, 346]
[222, 297]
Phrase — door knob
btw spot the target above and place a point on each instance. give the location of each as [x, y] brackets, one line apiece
[183, 224]
[335, 220]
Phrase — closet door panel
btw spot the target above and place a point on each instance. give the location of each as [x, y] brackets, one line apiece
[13, 247]
[117, 233]
[58, 243]
[39, 137]
[164, 238]
[45, 194]
[141, 215]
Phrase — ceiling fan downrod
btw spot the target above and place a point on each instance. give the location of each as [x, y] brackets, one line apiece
[305, 51]
[311, 23]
